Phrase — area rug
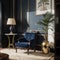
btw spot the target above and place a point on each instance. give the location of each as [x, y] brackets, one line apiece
[22, 54]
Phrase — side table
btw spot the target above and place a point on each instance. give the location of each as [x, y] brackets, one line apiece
[11, 42]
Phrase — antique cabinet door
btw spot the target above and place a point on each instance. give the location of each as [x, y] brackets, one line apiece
[57, 29]
[0, 24]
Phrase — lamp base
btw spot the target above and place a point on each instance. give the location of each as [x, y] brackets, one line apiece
[11, 29]
[11, 32]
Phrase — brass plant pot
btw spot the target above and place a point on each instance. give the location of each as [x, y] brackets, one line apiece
[45, 47]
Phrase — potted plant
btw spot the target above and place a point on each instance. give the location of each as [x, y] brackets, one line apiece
[47, 18]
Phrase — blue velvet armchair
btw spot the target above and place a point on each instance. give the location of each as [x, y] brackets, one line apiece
[25, 41]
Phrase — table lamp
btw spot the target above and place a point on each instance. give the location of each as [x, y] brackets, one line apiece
[11, 22]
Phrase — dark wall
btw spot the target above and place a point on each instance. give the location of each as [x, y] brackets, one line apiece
[22, 6]
[6, 13]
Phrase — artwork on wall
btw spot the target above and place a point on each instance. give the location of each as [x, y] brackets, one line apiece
[43, 6]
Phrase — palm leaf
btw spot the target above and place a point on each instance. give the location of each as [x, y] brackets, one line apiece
[42, 23]
[47, 18]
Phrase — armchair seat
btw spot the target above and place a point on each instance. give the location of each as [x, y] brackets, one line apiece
[22, 44]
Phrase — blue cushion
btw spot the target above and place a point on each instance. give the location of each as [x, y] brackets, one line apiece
[22, 44]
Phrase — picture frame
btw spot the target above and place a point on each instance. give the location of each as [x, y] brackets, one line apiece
[43, 6]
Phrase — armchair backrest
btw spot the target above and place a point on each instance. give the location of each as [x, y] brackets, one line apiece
[39, 38]
[29, 36]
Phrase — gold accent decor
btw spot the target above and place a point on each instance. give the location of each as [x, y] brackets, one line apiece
[45, 47]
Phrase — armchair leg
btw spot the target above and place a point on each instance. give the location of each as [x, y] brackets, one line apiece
[34, 50]
[16, 50]
[28, 51]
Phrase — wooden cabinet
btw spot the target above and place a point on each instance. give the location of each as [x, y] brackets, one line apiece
[57, 30]
[0, 23]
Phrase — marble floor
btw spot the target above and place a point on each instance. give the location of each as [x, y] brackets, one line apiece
[22, 54]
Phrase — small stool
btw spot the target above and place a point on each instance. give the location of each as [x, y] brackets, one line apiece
[4, 56]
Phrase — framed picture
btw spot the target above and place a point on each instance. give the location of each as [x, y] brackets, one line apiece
[43, 6]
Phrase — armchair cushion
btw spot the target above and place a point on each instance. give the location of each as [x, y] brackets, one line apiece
[22, 44]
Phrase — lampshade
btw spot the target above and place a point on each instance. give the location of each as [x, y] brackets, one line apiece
[11, 21]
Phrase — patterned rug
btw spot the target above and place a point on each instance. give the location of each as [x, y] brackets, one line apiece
[22, 54]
